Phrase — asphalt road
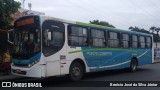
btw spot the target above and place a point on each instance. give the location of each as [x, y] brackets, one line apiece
[149, 72]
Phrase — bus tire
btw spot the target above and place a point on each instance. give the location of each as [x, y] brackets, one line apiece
[133, 65]
[76, 71]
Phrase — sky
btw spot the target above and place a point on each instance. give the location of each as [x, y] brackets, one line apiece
[120, 13]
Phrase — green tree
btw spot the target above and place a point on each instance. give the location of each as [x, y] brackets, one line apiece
[157, 30]
[137, 29]
[103, 23]
[7, 8]
[152, 31]
[155, 35]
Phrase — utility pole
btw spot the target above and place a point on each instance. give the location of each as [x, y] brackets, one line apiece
[30, 6]
[23, 1]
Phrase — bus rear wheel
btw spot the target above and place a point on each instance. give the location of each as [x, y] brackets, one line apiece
[133, 65]
[76, 71]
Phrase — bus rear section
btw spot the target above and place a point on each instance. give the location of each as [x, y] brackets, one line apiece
[108, 49]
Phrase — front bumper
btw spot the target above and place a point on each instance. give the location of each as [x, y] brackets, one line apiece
[34, 71]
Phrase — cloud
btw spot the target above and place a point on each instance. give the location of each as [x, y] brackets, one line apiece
[120, 13]
[45, 9]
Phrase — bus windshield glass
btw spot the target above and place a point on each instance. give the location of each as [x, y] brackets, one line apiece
[27, 43]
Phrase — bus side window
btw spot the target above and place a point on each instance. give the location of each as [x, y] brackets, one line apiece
[142, 41]
[53, 37]
[98, 38]
[113, 40]
[125, 40]
[148, 42]
[134, 41]
[77, 36]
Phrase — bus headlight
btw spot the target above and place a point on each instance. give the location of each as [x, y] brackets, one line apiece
[33, 63]
[29, 65]
[36, 61]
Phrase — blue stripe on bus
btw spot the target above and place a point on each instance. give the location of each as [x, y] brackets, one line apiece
[27, 61]
[115, 59]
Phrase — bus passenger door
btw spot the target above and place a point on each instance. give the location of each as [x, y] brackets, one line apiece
[53, 46]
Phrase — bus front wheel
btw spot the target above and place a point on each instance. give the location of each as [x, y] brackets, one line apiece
[133, 65]
[76, 71]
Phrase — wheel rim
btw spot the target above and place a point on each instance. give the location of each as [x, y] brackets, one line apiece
[134, 66]
[76, 71]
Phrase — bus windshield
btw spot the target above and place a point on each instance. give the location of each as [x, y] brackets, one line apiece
[27, 43]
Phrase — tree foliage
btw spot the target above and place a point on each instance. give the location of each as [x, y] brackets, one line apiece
[153, 30]
[7, 8]
[138, 29]
[103, 23]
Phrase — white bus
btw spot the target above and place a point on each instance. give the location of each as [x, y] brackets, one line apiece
[46, 46]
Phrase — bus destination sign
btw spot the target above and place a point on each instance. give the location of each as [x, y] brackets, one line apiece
[25, 22]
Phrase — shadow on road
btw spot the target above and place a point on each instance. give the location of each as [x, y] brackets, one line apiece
[118, 72]
[63, 81]
[88, 76]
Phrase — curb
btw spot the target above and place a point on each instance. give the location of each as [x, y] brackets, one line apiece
[156, 62]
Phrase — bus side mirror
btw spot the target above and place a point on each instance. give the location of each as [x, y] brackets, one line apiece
[49, 36]
[10, 37]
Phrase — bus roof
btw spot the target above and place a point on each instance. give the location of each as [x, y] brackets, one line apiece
[87, 24]
[110, 28]
[57, 19]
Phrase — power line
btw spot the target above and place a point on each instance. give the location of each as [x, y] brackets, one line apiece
[147, 13]
[88, 7]
[91, 10]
